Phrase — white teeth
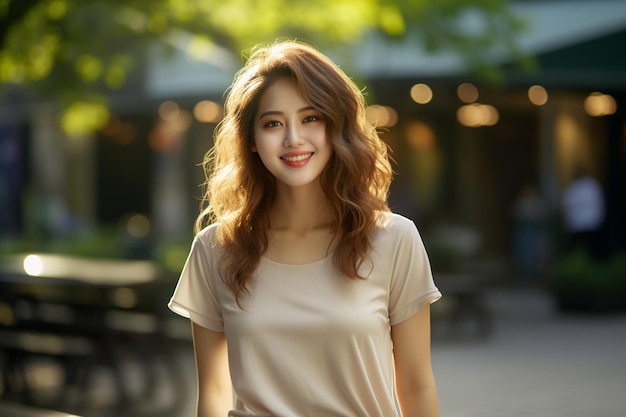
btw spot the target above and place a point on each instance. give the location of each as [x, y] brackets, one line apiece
[297, 158]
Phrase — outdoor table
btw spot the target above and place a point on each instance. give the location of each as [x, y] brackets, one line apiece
[83, 313]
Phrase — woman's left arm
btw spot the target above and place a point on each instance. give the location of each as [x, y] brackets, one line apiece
[415, 382]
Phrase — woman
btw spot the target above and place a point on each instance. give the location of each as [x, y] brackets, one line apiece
[307, 296]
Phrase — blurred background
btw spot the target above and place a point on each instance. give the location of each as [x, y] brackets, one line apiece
[507, 122]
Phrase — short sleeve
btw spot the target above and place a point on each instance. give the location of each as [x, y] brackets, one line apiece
[196, 293]
[412, 284]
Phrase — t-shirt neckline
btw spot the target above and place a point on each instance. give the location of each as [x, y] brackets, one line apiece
[318, 261]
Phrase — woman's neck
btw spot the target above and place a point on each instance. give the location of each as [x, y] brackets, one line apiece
[300, 210]
[301, 226]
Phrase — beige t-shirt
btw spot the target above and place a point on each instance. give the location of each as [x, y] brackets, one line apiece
[309, 341]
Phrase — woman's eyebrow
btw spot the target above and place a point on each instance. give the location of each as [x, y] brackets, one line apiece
[279, 113]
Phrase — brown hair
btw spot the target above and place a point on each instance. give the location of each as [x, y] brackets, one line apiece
[240, 190]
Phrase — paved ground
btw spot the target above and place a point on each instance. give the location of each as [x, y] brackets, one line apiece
[536, 363]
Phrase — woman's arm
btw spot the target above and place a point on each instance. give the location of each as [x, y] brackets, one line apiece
[415, 382]
[215, 396]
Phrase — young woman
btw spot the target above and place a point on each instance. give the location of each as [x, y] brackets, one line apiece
[307, 296]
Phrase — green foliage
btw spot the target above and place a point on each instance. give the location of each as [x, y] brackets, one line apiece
[172, 254]
[582, 283]
[576, 270]
[580, 272]
[101, 244]
[104, 243]
[617, 272]
[88, 48]
[82, 117]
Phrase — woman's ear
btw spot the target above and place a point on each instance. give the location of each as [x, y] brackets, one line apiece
[253, 146]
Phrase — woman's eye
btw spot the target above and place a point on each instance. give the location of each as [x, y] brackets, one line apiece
[272, 123]
[309, 119]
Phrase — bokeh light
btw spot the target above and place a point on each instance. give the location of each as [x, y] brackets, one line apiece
[381, 116]
[33, 265]
[124, 297]
[597, 104]
[421, 93]
[169, 110]
[467, 93]
[477, 115]
[138, 226]
[207, 111]
[537, 95]
[420, 135]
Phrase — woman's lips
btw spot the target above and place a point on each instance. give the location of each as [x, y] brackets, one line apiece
[296, 160]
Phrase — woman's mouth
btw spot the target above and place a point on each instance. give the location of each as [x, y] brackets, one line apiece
[297, 160]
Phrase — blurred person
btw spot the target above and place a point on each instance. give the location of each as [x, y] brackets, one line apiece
[583, 208]
[307, 295]
[529, 244]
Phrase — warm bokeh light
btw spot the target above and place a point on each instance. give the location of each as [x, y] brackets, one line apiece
[128, 133]
[167, 135]
[183, 121]
[164, 138]
[207, 111]
[537, 95]
[92, 271]
[122, 132]
[169, 110]
[467, 93]
[124, 297]
[477, 115]
[113, 126]
[421, 93]
[420, 135]
[381, 116]
[138, 226]
[33, 265]
[597, 104]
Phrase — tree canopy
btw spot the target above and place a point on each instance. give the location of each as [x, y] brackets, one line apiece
[78, 50]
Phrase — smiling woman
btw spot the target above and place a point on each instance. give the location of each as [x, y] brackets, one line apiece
[306, 294]
[289, 133]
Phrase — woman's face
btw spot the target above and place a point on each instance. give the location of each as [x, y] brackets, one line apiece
[290, 136]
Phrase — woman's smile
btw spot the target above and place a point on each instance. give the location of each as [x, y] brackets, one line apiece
[296, 159]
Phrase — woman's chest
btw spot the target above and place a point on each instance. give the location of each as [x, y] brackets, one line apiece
[312, 300]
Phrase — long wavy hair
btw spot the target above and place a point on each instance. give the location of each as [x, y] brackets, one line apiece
[239, 190]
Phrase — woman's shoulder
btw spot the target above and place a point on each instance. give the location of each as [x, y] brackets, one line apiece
[395, 223]
[395, 228]
[208, 235]
[209, 230]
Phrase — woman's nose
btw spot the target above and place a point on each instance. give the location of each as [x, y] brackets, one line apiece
[292, 136]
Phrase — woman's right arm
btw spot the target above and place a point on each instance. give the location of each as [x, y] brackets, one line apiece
[215, 397]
